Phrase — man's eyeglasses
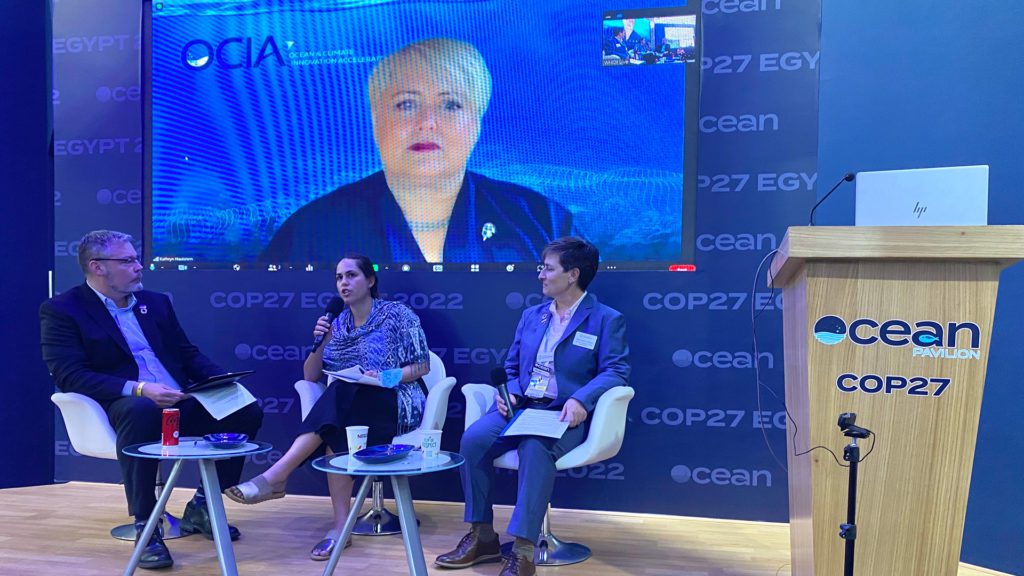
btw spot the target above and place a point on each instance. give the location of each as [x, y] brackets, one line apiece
[131, 260]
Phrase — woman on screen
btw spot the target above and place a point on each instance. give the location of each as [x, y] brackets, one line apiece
[427, 100]
[377, 335]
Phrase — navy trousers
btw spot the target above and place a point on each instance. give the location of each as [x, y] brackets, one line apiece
[137, 420]
[481, 444]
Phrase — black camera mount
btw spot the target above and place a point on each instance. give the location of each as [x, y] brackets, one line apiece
[851, 454]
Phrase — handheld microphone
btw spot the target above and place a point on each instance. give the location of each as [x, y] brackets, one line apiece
[334, 307]
[848, 177]
[498, 380]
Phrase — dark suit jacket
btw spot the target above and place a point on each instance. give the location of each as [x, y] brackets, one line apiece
[86, 352]
[364, 217]
[615, 47]
[581, 372]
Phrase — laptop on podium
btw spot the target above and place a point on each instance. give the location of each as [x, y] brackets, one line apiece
[951, 196]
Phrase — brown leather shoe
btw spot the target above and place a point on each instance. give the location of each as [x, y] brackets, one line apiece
[471, 550]
[518, 565]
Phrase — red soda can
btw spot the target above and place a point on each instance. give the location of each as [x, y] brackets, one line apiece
[169, 431]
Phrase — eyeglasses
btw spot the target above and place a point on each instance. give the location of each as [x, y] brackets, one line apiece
[130, 260]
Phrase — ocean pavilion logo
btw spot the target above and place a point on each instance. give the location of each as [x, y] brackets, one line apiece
[928, 338]
[830, 330]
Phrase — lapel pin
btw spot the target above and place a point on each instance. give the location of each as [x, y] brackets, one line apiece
[488, 230]
[545, 317]
[143, 309]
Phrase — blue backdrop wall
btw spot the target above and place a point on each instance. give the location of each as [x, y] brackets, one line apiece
[26, 178]
[689, 332]
[921, 83]
[696, 442]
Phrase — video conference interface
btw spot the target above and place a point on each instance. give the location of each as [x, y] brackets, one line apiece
[427, 135]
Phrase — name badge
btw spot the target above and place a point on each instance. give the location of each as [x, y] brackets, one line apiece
[539, 380]
[584, 340]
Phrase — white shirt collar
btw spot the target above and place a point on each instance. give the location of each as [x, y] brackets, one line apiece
[572, 309]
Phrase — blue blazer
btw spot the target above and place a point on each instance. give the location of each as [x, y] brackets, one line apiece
[580, 372]
[87, 353]
[364, 217]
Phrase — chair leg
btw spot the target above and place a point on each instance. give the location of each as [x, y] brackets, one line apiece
[378, 521]
[552, 551]
[172, 524]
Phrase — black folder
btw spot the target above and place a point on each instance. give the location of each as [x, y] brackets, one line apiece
[216, 381]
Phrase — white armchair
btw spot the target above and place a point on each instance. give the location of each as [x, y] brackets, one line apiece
[607, 429]
[379, 521]
[91, 434]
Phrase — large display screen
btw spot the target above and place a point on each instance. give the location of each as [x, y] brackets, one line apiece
[436, 135]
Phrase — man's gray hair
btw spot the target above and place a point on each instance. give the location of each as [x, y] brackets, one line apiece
[460, 59]
[95, 244]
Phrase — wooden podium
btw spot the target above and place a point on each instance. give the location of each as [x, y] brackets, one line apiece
[892, 323]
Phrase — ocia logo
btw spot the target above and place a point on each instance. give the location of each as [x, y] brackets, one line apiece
[830, 330]
[234, 52]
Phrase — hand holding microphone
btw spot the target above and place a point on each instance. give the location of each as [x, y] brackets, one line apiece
[505, 402]
[323, 324]
[322, 329]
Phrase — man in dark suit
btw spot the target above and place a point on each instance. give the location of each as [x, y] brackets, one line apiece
[615, 44]
[567, 352]
[122, 346]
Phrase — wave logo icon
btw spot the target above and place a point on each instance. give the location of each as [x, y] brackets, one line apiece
[197, 55]
[830, 330]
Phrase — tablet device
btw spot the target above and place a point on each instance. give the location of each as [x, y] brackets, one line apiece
[216, 381]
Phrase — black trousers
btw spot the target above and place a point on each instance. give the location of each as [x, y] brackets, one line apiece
[138, 419]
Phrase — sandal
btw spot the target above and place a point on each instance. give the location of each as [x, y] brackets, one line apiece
[254, 491]
[322, 550]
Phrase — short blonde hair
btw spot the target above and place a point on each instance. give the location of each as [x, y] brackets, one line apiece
[459, 59]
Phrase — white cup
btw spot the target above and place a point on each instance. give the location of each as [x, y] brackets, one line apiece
[430, 443]
[356, 437]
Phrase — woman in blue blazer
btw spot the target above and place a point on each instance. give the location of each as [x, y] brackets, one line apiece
[567, 352]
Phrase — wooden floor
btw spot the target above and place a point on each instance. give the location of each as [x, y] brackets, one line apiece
[63, 530]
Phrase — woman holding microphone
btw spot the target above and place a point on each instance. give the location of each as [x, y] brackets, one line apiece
[377, 335]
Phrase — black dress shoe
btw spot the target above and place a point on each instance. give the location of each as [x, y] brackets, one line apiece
[155, 554]
[196, 520]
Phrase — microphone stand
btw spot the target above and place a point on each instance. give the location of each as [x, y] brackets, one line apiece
[848, 177]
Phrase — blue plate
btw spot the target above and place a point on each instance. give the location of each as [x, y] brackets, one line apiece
[383, 454]
[226, 440]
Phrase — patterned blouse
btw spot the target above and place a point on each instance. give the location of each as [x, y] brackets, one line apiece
[390, 338]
